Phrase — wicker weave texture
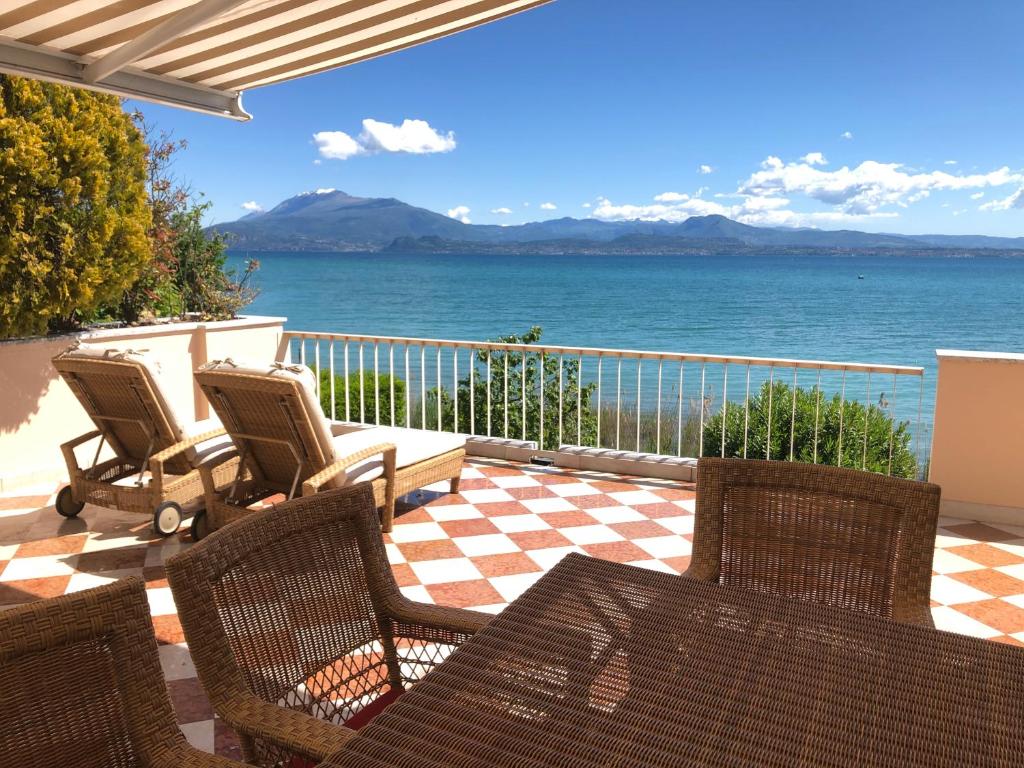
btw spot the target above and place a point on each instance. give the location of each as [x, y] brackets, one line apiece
[80, 685]
[830, 535]
[295, 623]
[120, 398]
[123, 389]
[604, 664]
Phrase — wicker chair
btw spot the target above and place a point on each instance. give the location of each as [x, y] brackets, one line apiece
[286, 445]
[830, 535]
[154, 470]
[80, 684]
[297, 628]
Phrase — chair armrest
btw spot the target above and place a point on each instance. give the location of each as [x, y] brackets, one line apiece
[156, 461]
[183, 445]
[207, 467]
[460, 621]
[313, 484]
[68, 449]
[82, 439]
[303, 735]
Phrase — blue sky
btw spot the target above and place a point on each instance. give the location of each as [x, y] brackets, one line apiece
[617, 106]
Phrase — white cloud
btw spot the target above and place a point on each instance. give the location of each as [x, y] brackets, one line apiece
[959, 211]
[867, 192]
[415, 137]
[317, 161]
[762, 211]
[846, 135]
[460, 212]
[548, 207]
[705, 169]
[526, 205]
[252, 206]
[337, 145]
[1016, 200]
[866, 188]
[497, 211]
[586, 205]
[949, 162]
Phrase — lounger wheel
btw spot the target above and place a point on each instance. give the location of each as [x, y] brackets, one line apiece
[66, 504]
[200, 526]
[167, 519]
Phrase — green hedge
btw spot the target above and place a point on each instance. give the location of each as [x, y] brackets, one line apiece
[813, 407]
[370, 391]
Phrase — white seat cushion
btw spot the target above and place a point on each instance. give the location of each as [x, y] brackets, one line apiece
[206, 450]
[298, 373]
[413, 446]
[144, 359]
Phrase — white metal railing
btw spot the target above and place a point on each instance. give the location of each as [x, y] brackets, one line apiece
[851, 414]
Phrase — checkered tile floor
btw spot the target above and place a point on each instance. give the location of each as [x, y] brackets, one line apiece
[480, 548]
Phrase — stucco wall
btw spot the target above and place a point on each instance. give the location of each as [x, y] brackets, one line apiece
[978, 441]
[38, 411]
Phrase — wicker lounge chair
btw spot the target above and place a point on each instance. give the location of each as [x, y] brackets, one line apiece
[154, 470]
[297, 628]
[287, 446]
[830, 535]
[80, 684]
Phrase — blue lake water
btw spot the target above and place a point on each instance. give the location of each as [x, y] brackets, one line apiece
[772, 306]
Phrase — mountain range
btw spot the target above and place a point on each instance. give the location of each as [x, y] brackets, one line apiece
[331, 220]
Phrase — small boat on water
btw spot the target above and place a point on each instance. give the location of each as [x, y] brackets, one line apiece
[860, 277]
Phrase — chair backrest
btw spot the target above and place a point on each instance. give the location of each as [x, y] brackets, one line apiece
[284, 604]
[830, 535]
[120, 390]
[273, 416]
[80, 682]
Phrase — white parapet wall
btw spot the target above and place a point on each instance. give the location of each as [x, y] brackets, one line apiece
[978, 439]
[38, 411]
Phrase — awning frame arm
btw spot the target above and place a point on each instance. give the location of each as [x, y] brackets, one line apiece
[177, 25]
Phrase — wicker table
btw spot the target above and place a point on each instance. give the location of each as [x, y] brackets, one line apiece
[605, 664]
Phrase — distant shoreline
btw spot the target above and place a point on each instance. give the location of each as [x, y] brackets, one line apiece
[653, 247]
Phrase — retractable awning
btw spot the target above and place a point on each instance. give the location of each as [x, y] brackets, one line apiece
[202, 54]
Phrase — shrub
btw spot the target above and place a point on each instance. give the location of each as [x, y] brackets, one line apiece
[571, 392]
[73, 206]
[201, 283]
[369, 397]
[186, 274]
[812, 407]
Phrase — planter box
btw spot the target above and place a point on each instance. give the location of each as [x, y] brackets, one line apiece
[38, 411]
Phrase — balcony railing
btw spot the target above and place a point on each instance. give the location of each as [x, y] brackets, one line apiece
[859, 415]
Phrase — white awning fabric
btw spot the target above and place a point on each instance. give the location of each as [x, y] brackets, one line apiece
[202, 54]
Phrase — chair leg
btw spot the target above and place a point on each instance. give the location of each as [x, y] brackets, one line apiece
[454, 488]
[387, 518]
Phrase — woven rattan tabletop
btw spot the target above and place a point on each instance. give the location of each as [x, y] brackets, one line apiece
[606, 664]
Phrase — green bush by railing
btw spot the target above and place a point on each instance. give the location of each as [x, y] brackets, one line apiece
[579, 420]
[825, 431]
[370, 392]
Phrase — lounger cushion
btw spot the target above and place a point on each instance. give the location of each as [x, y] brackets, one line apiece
[413, 446]
[211, 448]
[300, 374]
[150, 366]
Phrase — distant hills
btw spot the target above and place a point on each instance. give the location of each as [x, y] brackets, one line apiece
[331, 220]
